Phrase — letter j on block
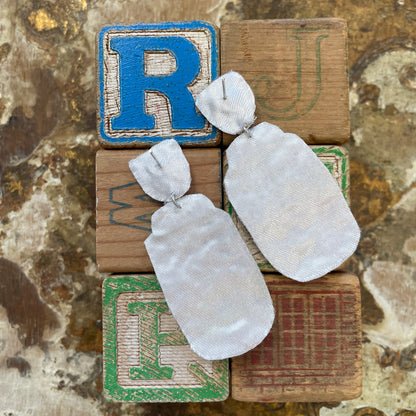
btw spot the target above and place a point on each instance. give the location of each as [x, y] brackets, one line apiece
[148, 77]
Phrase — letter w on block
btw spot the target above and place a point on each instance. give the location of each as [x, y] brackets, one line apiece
[146, 356]
[148, 76]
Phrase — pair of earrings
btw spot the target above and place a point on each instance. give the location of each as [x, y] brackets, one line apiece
[284, 195]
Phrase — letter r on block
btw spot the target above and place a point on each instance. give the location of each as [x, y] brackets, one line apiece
[149, 75]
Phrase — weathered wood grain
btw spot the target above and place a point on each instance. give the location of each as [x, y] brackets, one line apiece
[313, 351]
[335, 158]
[148, 76]
[146, 356]
[298, 72]
[123, 209]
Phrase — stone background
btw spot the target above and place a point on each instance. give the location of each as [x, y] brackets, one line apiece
[50, 307]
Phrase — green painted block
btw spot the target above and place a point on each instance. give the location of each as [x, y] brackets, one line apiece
[146, 356]
[335, 158]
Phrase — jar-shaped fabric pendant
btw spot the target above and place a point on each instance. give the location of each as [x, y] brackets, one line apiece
[211, 283]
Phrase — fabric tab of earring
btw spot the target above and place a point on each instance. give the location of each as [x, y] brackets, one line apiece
[175, 177]
[234, 111]
[211, 282]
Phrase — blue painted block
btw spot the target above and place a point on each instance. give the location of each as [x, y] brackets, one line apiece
[149, 75]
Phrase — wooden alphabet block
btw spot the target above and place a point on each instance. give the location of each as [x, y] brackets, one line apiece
[123, 209]
[313, 351]
[298, 72]
[335, 158]
[146, 356]
[148, 75]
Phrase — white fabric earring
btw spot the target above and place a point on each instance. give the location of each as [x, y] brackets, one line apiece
[284, 195]
[211, 283]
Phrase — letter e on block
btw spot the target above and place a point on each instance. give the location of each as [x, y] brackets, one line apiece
[148, 77]
[146, 356]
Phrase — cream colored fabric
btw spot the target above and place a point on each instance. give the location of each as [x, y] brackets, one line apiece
[211, 283]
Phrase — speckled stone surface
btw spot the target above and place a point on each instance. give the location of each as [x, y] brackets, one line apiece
[50, 290]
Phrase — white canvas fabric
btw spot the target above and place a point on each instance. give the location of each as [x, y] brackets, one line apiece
[232, 113]
[285, 196]
[175, 177]
[211, 283]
